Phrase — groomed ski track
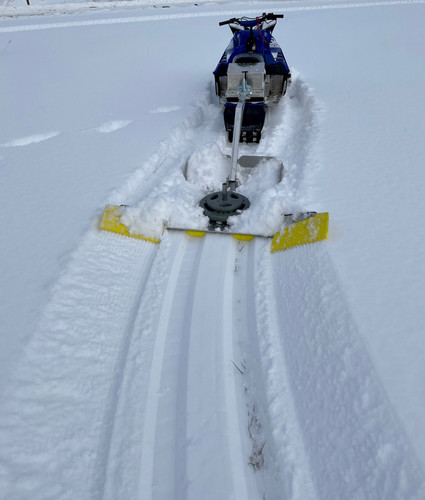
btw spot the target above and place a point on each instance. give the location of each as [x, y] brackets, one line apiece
[262, 393]
[208, 368]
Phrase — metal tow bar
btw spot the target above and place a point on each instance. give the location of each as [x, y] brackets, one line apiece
[220, 205]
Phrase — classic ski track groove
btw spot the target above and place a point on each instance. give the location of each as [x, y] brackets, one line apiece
[151, 411]
[233, 422]
[180, 458]
[136, 423]
[212, 335]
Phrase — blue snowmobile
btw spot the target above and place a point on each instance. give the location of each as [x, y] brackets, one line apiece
[253, 59]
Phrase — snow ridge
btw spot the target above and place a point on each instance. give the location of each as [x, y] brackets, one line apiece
[53, 419]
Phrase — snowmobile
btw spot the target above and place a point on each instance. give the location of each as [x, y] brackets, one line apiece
[252, 55]
[251, 75]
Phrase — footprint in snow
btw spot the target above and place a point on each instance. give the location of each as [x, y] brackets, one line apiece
[165, 109]
[112, 126]
[31, 139]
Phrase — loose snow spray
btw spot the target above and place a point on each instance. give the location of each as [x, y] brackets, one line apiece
[195, 162]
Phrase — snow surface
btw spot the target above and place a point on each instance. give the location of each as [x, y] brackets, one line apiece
[208, 368]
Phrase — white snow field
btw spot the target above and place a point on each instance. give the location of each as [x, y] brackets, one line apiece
[207, 368]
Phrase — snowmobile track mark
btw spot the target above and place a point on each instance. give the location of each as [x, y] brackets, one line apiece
[180, 458]
[238, 460]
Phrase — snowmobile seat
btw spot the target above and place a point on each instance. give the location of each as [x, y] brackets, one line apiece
[248, 58]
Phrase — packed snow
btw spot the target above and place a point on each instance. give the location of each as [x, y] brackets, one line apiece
[207, 367]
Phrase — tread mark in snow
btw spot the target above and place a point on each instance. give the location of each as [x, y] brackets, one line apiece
[151, 412]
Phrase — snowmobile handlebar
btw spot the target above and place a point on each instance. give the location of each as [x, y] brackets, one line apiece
[229, 21]
[265, 17]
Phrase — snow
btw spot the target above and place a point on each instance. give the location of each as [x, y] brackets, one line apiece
[112, 126]
[32, 139]
[272, 187]
[209, 367]
[165, 109]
